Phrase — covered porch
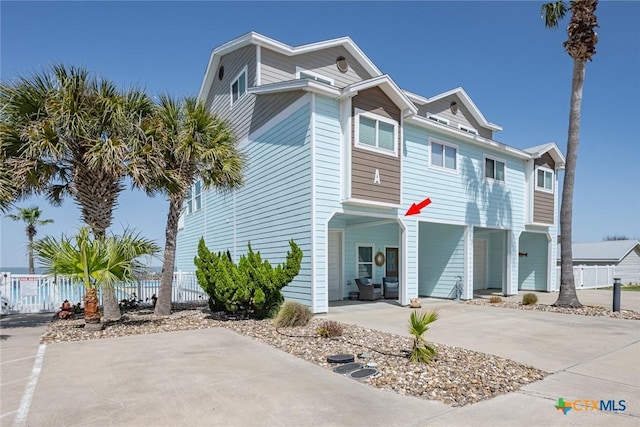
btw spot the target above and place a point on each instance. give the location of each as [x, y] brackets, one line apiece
[363, 246]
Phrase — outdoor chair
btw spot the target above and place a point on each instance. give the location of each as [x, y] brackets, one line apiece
[368, 292]
[391, 287]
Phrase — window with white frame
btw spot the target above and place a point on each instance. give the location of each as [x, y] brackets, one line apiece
[306, 74]
[376, 133]
[193, 202]
[364, 266]
[239, 86]
[468, 129]
[544, 179]
[494, 169]
[444, 155]
[437, 119]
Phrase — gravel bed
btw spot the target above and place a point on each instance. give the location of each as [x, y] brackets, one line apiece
[456, 377]
[587, 310]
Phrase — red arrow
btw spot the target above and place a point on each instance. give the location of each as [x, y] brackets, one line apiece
[415, 209]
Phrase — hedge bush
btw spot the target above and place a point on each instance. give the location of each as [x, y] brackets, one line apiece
[252, 286]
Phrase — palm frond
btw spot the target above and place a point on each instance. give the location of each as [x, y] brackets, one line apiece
[553, 12]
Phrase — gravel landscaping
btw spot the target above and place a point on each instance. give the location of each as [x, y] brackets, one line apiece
[587, 310]
[456, 377]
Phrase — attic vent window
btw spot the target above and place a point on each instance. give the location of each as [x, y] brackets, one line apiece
[470, 130]
[437, 119]
[221, 72]
[342, 64]
[453, 107]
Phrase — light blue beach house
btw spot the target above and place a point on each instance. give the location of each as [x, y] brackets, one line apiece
[337, 154]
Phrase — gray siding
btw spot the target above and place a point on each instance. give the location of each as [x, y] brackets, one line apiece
[219, 97]
[463, 117]
[628, 270]
[546, 161]
[276, 67]
[364, 162]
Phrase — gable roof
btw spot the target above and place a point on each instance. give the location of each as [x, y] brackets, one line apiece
[609, 251]
[466, 100]
[388, 86]
[285, 49]
[550, 148]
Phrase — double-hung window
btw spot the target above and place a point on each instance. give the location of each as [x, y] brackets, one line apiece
[376, 133]
[365, 260]
[494, 169]
[544, 179]
[239, 86]
[444, 155]
[194, 197]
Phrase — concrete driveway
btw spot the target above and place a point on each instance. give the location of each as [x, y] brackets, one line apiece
[217, 378]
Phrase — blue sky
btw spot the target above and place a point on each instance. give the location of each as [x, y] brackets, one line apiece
[514, 69]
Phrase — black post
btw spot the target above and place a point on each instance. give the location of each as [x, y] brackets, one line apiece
[616, 294]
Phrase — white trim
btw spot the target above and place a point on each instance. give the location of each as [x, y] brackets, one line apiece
[377, 118]
[275, 120]
[388, 86]
[313, 211]
[433, 140]
[245, 70]
[400, 157]
[371, 203]
[495, 159]
[372, 224]
[485, 242]
[544, 189]
[467, 236]
[437, 119]
[341, 259]
[373, 255]
[468, 129]
[300, 84]
[258, 65]
[345, 158]
[316, 76]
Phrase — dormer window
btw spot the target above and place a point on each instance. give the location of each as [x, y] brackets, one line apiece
[437, 119]
[468, 129]
[544, 179]
[239, 86]
[310, 75]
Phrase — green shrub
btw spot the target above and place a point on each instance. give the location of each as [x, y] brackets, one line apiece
[330, 329]
[252, 285]
[422, 352]
[292, 314]
[529, 299]
[495, 299]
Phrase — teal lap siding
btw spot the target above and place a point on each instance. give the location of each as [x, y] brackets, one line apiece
[440, 259]
[532, 274]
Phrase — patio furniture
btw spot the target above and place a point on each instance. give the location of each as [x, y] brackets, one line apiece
[368, 292]
[391, 287]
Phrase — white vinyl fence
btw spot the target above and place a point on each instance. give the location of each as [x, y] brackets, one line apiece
[591, 276]
[39, 293]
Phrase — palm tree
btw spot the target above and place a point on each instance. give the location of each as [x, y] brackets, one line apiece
[196, 145]
[32, 217]
[419, 322]
[581, 46]
[97, 262]
[66, 133]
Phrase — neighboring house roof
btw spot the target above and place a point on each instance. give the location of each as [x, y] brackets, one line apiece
[606, 251]
[550, 148]
[466, 100]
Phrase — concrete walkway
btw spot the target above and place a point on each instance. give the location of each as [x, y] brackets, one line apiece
[215, 377]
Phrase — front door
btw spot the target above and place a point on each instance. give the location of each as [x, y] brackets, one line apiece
[391, 262]
[335, 266]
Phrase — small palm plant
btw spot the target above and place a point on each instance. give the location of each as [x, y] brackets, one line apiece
[419, 323]
[95, 261]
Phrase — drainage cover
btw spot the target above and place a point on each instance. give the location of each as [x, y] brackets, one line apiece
[362, 374]
[340, 358]
[347, 367]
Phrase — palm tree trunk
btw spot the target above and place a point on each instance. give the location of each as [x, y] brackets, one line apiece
[568, 296]
[32, 269]
[163, 305]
